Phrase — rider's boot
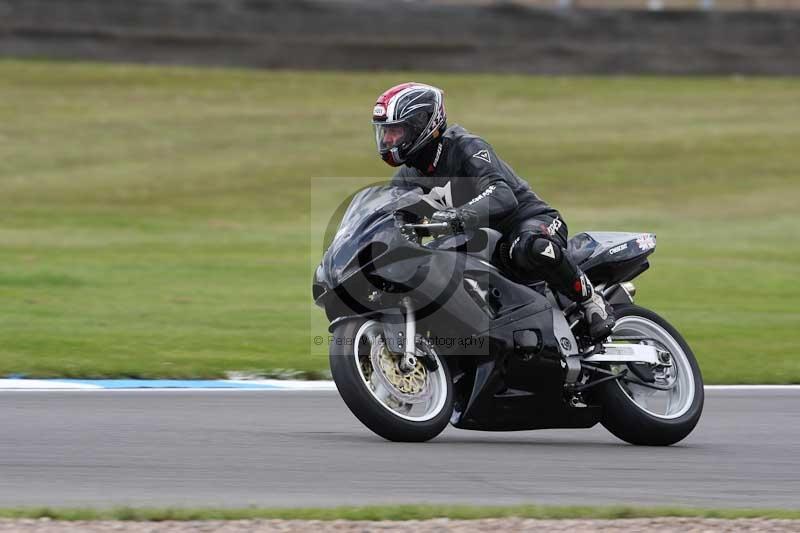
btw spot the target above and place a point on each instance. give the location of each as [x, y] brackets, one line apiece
[598, 313]
[542, 256]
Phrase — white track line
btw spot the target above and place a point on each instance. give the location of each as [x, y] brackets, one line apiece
[753, 387]
[172, 389]
[12, 385]
[43, 384]
[287, 384]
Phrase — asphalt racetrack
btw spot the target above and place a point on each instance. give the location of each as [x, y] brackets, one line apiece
[267, 448]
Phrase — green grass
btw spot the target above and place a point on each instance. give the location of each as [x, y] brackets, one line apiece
[155, 222]
[394, 513]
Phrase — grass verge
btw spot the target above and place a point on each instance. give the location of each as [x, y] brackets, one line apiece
[394, 513]
[155, 221]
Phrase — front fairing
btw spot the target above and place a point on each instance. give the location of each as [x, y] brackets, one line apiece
[368, 221]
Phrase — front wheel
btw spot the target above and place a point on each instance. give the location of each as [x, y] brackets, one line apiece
[661, 412]
[404, 406]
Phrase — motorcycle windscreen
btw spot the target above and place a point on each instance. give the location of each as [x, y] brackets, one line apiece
[370, 213]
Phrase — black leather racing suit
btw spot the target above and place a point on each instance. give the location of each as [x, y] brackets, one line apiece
[463, 171]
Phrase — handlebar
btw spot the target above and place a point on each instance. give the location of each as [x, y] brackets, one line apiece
[440, 227]
[434, 226]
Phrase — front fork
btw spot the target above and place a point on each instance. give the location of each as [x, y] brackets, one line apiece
[400, 334]
[409, 360]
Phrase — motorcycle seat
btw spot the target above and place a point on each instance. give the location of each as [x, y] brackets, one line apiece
[590, 249]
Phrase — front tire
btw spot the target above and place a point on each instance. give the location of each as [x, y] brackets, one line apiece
[628, 410]
[412, 407]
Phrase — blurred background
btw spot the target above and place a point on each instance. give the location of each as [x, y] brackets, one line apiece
[156, 161]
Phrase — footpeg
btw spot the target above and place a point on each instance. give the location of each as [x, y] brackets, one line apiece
[577, 401]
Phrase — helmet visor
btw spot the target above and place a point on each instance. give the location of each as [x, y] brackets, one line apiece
[390, 135]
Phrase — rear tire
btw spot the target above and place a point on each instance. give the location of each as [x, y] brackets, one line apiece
[347, 354]
[633, 423]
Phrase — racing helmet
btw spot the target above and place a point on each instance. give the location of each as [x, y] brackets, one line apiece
[406, 118]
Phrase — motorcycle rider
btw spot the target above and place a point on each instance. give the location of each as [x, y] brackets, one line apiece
[473, 187]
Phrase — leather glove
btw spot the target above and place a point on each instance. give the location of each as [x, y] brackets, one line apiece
[409, 234]
[401, 219]
[451, 217]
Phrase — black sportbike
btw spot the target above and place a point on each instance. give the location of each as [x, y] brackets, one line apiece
[429, 328]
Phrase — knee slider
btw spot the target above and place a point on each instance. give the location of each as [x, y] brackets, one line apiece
[532, 251]
[545, 252]
[536, 254]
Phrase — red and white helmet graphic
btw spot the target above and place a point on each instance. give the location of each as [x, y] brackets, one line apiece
[406, 118]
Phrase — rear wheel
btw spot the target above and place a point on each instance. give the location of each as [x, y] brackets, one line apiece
[661, 412]
[407, 406]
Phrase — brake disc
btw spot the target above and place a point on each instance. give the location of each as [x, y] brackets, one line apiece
[408, 387]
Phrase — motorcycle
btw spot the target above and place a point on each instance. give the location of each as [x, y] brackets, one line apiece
[430, 328]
